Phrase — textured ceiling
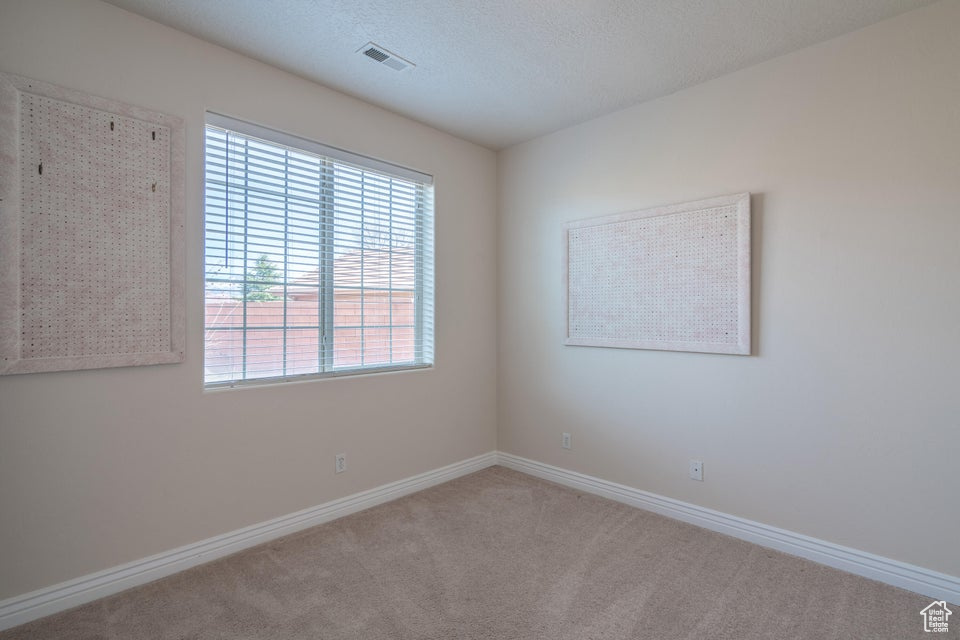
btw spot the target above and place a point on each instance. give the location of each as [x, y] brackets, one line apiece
[504, 71]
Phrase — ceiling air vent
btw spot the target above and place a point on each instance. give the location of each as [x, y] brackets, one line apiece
[381, 55]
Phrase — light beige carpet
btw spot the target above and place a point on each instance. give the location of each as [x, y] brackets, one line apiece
[493, 555]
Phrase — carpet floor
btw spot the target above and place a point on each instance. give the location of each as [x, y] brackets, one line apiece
[499, 555]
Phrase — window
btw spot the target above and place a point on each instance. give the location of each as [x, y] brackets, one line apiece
[318, 261]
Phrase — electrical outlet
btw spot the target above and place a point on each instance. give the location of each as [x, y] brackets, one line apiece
[341, 463]
[696, 470]
[565, 441]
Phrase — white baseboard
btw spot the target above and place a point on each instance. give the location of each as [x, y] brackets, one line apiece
[939, 586]
[43, 602]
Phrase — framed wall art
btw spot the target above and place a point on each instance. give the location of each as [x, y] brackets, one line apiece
[673, 278]
[91, 231]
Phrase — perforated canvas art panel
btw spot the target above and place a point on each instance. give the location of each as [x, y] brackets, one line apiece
[674, 278]
[91, 221]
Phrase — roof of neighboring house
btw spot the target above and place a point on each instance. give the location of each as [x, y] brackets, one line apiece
[378, 268]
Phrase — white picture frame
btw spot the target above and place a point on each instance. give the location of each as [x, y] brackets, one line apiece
[673, 278]
[91, 231]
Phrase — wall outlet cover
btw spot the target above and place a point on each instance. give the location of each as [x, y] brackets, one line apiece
[696, 470]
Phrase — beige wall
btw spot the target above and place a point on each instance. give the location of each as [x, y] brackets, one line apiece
[102, 467]
[845, 425]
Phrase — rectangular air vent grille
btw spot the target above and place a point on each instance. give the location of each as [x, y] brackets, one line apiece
[376, 54]
[383, 56]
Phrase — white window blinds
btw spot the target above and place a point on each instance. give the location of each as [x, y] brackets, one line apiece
[318, 261]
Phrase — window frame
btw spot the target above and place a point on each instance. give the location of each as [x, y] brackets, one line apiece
[424, 233]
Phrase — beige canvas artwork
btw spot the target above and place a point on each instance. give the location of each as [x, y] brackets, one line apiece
[673, 278]
[91, 226]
